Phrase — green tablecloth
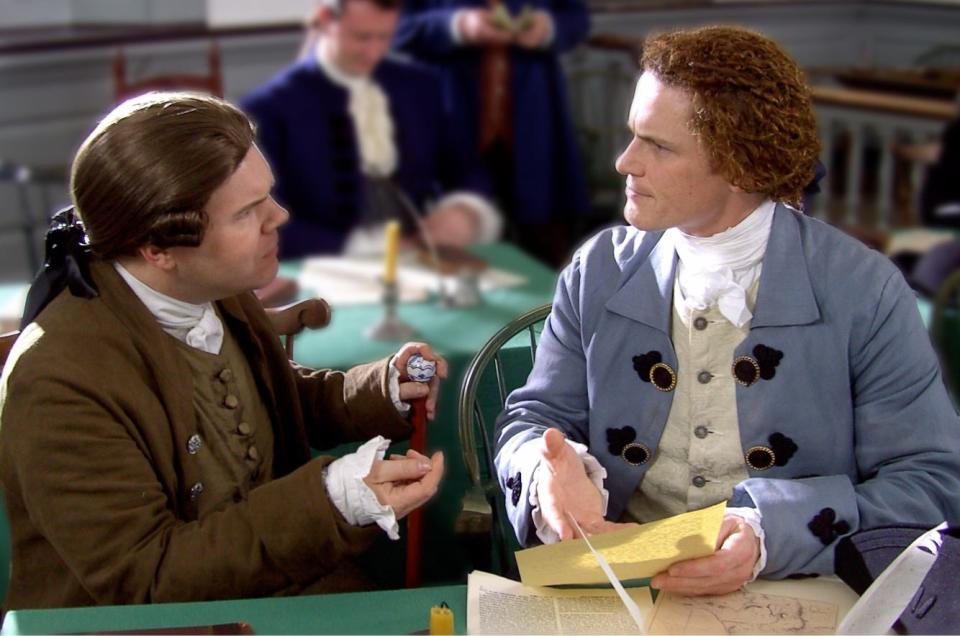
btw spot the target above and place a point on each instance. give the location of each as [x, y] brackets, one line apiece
[390, 612]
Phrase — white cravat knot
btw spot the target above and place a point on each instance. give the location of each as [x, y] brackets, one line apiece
[207, 333]
[721, 268]
[369, 108]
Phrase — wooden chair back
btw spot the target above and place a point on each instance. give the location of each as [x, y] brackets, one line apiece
[289, 320]
[211, 83]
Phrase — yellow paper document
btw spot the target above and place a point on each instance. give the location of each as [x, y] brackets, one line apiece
[633, 553]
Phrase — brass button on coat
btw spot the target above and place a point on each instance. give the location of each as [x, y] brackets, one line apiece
[226, 375]
[253, 453]
[196, 490]
[760, 457]
[231, 402]
[635, 454]
[243, 428]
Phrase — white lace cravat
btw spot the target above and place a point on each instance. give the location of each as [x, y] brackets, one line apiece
[720, 268]
[196, 325]
[370, 112]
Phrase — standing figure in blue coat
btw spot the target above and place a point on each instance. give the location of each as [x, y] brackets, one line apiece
[502, 77]
[356, 138]
[726, 347]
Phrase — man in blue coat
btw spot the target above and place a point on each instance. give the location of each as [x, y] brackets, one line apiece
[502, 76]
[725, 347]
[356, 138]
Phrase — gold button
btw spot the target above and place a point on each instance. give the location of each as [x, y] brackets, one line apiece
[243, 428]
[226, 375]
[231, 402]
[253, 453]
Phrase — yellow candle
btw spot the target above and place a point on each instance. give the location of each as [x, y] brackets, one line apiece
[441, 620]
[390, 255]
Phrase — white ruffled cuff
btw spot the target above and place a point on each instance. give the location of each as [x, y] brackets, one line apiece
[595, 472]
[488, 216]
[753, 518]
[350, 494]
[393, 386]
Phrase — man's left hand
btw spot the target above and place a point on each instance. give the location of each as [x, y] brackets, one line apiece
[535, 36]
[726, 570]
[414, 390]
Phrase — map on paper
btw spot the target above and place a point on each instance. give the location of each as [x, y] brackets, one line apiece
[633, 553]
[813, 606]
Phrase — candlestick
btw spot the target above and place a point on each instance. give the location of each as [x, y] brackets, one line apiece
[390, 252]
[390, 327]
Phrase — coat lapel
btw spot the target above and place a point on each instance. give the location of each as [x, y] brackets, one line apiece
[646, 290]
[785, 296]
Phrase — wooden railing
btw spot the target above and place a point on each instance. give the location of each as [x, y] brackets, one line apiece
[867, 185]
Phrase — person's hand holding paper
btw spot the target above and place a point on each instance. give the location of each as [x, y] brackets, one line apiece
[726, 570]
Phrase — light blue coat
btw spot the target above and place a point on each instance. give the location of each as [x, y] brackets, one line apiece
[858, 389]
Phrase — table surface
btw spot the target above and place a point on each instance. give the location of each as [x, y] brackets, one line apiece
[386, 612]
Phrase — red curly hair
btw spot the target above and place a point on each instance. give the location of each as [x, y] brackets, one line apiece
[751, 104]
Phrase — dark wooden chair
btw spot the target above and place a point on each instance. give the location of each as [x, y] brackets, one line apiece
[289, 320]
[124, 88]
[512, 352]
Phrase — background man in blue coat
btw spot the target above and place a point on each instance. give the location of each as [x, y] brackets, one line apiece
[503, 79]
[356, 138]
[724, 347]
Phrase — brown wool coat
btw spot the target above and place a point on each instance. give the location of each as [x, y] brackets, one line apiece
[96, 476]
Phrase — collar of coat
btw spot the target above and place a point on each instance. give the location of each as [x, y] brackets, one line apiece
[785, 296]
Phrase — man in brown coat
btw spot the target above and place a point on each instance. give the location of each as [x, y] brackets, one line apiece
[154, 439]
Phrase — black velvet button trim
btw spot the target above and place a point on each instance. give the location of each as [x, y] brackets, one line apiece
[760, 457]
[663, 377]
[769, 359]
[618, 438]
[761, 366]
[825, 527]
[783, 447]
[746, 370]
[635, 454]
[620, 442]
[514, 484]
[643, 364]
[651, 368]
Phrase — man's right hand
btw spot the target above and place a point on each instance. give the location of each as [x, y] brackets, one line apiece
[564, 489]
[405, 483]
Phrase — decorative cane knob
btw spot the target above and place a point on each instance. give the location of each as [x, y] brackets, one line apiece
[419, 369]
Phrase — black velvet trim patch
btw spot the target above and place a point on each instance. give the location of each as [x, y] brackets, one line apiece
[825, 527]
[515, 486]
[783, 447]
[644, 362]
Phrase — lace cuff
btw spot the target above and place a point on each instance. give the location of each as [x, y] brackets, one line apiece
[595, 472]
[351, 495]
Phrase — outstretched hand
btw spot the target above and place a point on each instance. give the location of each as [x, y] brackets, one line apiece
[564, 488]
[726, 570]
